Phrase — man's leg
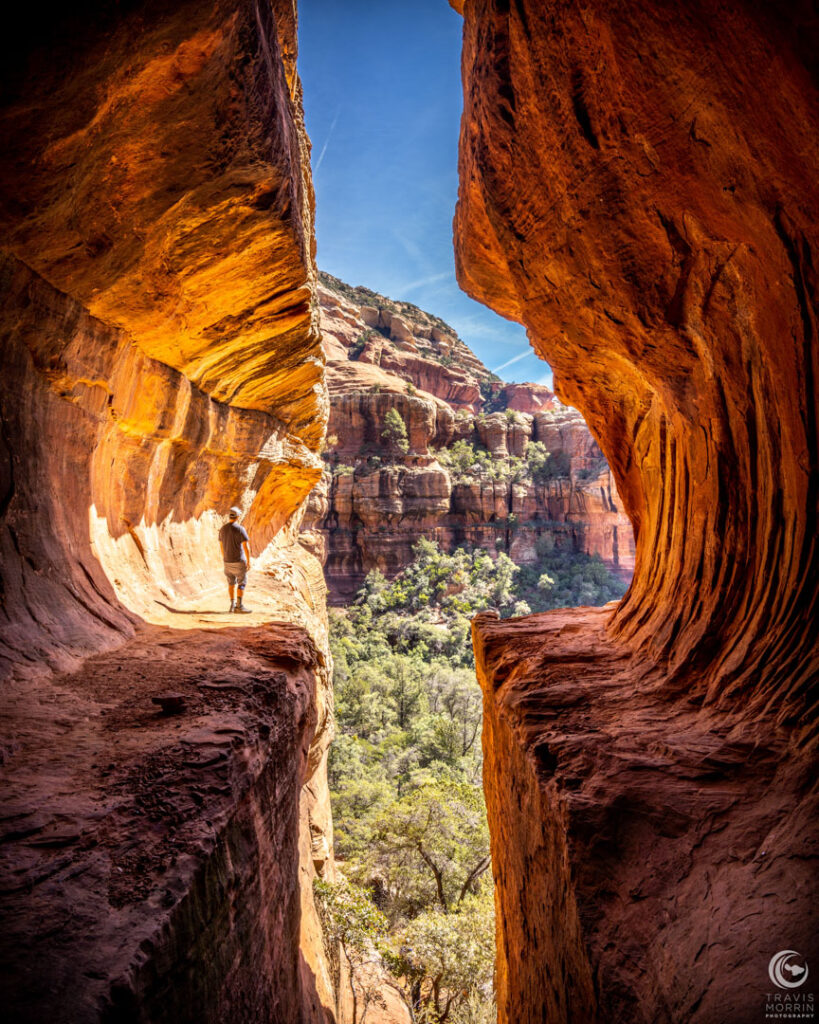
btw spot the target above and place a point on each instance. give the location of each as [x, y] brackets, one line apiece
[239, 606]
[231, 579]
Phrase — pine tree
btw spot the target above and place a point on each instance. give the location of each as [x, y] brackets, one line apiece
[394, 433]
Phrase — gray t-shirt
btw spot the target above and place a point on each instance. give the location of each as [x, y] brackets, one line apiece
[232, 537]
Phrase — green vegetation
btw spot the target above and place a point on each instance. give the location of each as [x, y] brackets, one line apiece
[360, 344]
[492, 402]
[352, 923]
[466, 461]
[544, 465]
[405, 772]
[394, 433]
[566, 578]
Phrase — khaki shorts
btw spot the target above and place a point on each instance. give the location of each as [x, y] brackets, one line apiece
[236, 573]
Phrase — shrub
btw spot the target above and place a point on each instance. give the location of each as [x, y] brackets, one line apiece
[544, 465]
[360, 344]
[394, 433]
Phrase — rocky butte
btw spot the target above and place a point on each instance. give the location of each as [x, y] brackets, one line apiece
[376, 499]
[164, 798]
[638, 186]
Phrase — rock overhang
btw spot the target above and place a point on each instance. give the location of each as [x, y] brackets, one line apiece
[154, 172]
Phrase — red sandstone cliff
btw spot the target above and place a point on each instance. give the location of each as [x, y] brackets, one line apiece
[161, 362]
[374, 504]
[639, 188]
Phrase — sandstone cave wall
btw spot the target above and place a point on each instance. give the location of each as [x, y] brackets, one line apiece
[638, 187]
[155, 188]
[162, 361]
[117, 471]
[626, 195]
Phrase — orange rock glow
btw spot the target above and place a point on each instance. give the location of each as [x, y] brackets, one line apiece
[638, 187]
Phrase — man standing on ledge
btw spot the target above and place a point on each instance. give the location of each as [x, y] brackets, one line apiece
[235, 545]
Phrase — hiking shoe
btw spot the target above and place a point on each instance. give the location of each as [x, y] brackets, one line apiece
[232, 606]
[241, 610]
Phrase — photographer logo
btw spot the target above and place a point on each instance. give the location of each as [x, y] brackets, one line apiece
[788, 970]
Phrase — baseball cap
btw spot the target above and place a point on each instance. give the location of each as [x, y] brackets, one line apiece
[235, 512]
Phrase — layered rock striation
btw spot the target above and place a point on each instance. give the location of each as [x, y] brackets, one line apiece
[154, 170]
[164, 778]
[625, 195]
[376, 500]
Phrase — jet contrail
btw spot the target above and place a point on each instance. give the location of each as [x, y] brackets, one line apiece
[514, 359]
[326, 142]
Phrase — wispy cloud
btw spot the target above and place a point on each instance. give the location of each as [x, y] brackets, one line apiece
[514, 359]
[469, 327]
[327, 141]
[416, 252]
[423, 282]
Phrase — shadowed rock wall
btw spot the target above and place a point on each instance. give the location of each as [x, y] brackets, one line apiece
[161, 362]
[638, 187]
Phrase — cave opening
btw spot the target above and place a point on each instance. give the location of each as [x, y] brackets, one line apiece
[456, 483]
[620, 823]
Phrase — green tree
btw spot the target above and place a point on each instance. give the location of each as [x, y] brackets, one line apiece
[350, 919]
[404, 689]
[447, 962]
[432, 846]
[454, 697]
[544, 465]
[394, 433]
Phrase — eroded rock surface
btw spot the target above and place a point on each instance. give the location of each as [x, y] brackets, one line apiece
[165, 803]
[150, 866]
[155, 169]
[626, 195]
[649, 853]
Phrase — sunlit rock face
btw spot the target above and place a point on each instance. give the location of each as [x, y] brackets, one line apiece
[369, 516]
[165, 802]
[627, 196]
[118, 474]
[154, 170]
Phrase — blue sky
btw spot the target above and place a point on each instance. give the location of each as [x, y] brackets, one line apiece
[382, 97]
